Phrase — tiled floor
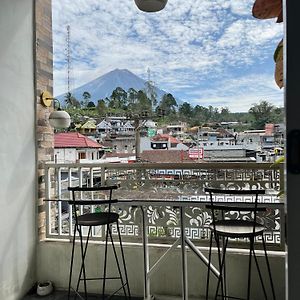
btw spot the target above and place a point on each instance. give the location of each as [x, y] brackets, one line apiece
[62, 295]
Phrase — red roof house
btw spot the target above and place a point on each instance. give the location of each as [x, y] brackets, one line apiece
[74, 140]
[71, 147]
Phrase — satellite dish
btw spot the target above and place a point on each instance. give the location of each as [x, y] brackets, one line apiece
[150, 5]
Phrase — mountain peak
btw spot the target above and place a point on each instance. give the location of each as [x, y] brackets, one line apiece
[103, 86]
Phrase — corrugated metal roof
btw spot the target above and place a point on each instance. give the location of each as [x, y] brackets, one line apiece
[74, 140]
[90, 124]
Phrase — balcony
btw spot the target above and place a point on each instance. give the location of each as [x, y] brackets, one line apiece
[163, 182]
[26, 143]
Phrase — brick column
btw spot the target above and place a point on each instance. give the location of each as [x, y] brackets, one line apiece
[44, 82]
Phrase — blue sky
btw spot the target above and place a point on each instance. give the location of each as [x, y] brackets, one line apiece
[205, 52]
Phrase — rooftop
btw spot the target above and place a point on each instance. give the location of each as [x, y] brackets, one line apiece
[166, 156]
[74, 140]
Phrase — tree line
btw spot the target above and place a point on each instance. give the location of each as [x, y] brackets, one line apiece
[167, 110]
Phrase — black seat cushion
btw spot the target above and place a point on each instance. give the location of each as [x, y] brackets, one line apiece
[237, 228]
[95, 219]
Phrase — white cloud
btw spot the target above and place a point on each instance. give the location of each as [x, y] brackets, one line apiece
[185, 45]
[238, 94]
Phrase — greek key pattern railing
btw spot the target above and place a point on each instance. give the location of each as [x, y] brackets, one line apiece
[165, 182]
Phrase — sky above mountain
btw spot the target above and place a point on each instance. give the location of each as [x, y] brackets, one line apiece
[208, 52]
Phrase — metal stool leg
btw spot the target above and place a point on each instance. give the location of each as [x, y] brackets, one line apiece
[268, 266]
[105, 261]
[84, 254]
[224, 265]
[123, 259]
[117, 262]
[222, 270]
[208, 269]
[260, 275]
[249, 268]
[72, 259]
[82, 261]
[220, 279]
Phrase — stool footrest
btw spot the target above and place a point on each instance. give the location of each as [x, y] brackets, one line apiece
[109, 296]
[231, 297]
[100, 278]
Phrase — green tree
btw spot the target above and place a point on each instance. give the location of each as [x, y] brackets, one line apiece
[185, 111]
[101, 107]
[131, 98]
[168, 104]
[143, 102]
[86, 99]
[263, 113]
[71, 101]
[200, 115]
[225, 114]
[118, 99]
[91, 104]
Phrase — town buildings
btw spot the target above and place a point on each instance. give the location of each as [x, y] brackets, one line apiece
[218, 143]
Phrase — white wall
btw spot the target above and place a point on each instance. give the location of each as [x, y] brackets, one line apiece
[17, 149]
[70, 155]
[54, 263]
[63, 155]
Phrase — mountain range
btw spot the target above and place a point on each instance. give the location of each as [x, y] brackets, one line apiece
[104, 85]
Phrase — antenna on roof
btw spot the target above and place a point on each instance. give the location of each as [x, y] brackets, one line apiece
[68, 53]
[150, 90]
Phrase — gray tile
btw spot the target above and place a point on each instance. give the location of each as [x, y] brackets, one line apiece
[63, 295]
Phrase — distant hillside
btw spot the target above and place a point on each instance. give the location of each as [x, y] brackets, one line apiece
[104, 85]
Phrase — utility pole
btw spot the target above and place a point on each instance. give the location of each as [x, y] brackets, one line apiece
[137, 129]
[150, 90]
[198, 144]
[139, 122]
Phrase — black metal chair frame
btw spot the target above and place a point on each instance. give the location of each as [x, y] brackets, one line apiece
[111, 218]
[222, 238]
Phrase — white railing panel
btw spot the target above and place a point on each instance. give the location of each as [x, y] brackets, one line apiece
[181, 182]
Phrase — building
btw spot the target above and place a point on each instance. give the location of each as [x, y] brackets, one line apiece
[177, 129]
[87, 128]
[234, 153]
[115, 125]
[72, 147]
[166, 156]
[166, 141]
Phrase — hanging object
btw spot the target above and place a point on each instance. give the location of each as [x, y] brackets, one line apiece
[267, 9]
[278, 58]
[58, 118]
[150, 5]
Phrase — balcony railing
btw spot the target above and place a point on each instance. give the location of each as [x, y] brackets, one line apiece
[164, 182]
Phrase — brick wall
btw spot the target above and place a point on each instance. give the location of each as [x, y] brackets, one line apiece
[44, 82]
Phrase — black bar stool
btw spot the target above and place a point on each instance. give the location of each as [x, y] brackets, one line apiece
[223, 229]
[90, 220]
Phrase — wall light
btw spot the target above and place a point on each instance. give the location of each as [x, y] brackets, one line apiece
[151, 5]
[58, 118]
